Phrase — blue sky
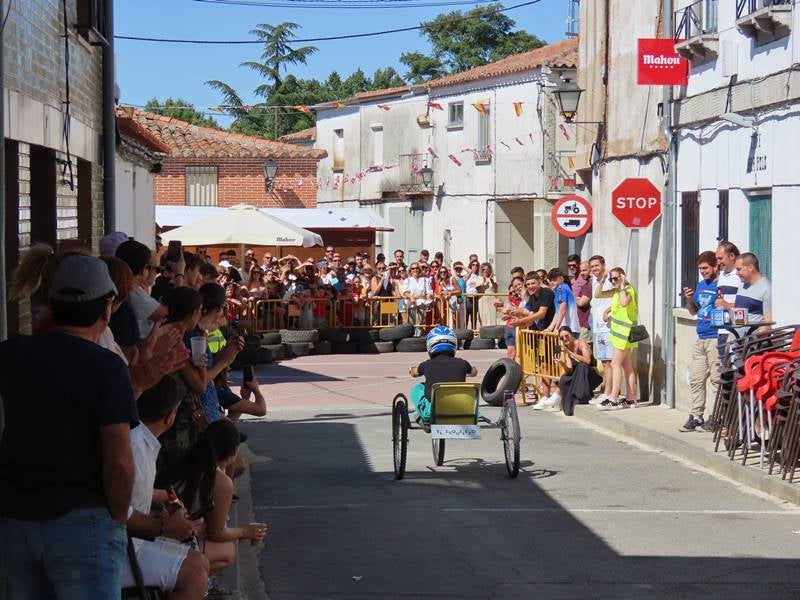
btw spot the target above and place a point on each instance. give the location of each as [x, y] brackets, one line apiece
[146, 70]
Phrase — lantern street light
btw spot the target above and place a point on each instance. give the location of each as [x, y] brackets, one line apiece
[569, 96]
[427, 176]
[270, 171]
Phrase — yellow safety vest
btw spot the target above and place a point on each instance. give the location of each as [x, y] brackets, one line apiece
[216, 341]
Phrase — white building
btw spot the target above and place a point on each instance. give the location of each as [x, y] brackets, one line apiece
[494, 141]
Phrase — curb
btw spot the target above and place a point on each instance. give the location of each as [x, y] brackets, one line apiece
[717, 462]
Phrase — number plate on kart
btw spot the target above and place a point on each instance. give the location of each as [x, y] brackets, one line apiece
[457, 432]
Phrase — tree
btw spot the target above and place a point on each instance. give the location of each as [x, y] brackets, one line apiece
[180, 109]
[386, 78]
[421, 67]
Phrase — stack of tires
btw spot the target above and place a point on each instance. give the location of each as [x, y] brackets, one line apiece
[298, 342]
[489, 337]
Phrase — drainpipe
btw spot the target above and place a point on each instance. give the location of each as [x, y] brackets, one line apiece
[3, 278]
[668, 257]
[109, 124]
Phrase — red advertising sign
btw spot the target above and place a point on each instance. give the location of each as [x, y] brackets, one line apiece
[636, 202]
[572, 216]
[659, 64]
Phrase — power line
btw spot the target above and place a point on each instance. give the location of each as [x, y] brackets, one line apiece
[317, 39]
[346, 4]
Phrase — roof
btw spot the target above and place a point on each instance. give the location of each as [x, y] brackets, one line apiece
[304, 135]
[561, 54]
[307, 218]
[131, 129]
[384, 93]
[190, 141]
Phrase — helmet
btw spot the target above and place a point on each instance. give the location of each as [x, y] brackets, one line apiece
[441, 339]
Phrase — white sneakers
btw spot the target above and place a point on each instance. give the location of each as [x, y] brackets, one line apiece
[599, 400]
[552, 401]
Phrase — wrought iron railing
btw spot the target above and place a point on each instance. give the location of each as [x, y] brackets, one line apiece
[747, 7]
[698, 18]
[410, 175]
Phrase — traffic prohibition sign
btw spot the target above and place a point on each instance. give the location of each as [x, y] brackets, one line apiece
[636, 202]
[572, 216]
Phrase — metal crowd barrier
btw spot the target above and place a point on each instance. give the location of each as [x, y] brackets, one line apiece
[536, 351]
[481, 310]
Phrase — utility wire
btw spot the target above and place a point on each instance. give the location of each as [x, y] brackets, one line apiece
[317, 39]
[348, 4]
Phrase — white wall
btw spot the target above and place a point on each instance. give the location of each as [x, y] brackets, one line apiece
[347, 119]
[135, 195]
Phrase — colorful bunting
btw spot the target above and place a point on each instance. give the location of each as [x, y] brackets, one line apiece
[302, 108]
[481, 107]
[454, 159]
[518, 108]
[432, 153]
[519, 141]
[506, 145]
[218, 109]
[338, 105]
[435, 105]
[530, 135]
[563, 130]
[570, 162]
[384, 107]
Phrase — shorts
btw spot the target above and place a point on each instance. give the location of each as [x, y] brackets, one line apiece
[585, 335]
[159, 560]
[510, 336]
[603, 350]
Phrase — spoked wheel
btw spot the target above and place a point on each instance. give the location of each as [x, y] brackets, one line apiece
[510, 435]
[399, 434]
[438, 451]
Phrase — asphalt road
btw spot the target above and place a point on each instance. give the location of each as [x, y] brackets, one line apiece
[588, 517]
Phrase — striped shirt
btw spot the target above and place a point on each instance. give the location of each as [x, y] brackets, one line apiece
[728, 284]
[756, 298]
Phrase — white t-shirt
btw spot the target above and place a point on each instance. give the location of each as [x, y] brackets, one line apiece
[419, 288]
[107, 341]
[599, 306]
[472, 283]
[145, 447]
[143, 305]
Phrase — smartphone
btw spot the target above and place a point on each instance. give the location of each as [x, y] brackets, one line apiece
[174, 250]
[199, 514]
[247, 373]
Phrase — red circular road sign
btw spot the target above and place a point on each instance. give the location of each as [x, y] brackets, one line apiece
[636, 202]
[572, 216]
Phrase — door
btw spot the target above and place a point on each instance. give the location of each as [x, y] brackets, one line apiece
[407, 234]
[761, 231]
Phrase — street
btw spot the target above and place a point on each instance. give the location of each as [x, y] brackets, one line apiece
[588, 517]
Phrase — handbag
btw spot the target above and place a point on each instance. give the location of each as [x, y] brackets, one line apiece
[638, 333]
[198, 414]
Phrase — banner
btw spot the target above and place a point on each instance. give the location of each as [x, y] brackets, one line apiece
[659, 64]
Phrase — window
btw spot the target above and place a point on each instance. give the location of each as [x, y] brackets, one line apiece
[338, 150]
[722, 216]
[92, 21]
[377, 144]
[761, 231]
[455, 114]
[201, 185]
[484, 153]
[690, 238]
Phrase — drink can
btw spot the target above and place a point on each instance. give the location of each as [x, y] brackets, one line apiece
[718, 317]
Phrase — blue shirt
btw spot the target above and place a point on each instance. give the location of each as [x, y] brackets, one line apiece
[208, 398]
[705, 294]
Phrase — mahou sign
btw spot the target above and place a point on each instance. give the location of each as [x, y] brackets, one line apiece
[659, 64]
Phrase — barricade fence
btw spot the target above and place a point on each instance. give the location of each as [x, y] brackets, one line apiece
[536, 355]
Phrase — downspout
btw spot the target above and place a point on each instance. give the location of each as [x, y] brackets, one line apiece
[668, 256]
[109, 125]
[3, 278]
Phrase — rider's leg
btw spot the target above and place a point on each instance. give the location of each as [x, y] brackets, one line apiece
[420, 402]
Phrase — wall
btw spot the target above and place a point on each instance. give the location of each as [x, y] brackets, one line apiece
[135, 193]
[332, 187]
[241, 180]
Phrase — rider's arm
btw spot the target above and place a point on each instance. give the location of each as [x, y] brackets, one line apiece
[474, 372]
[413, 372]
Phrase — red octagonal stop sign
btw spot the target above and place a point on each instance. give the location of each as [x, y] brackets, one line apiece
[636, 202]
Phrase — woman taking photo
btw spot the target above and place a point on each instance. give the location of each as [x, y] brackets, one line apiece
[621, 316]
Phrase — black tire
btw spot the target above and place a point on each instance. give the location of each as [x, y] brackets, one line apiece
[492, 332]
[394, 334]
[400, 424]
[292, 350]
[479, 344]
[345, 348]
[437, 445]
[462, 335]
[502, 376]
[501, 344]
[321, 347]
[270, 339]
[367, 348]
[411, 344]
[278, 351]
[384, 347]
[336, 336]
[364, 336]
[299, 336]
[510, 436]
[265, 356]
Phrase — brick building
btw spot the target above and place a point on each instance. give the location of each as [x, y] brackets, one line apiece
[53, 138]
[208, 167]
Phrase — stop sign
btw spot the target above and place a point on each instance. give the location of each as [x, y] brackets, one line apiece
[636, 202]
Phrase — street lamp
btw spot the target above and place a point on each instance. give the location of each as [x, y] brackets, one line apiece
[427, 176]
[569, 95]
[270, 170]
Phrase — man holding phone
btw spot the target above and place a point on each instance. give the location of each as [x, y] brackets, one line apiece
[242, 405]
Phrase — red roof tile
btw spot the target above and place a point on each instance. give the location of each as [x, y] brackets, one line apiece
[560, 54]
[190, 141]
[130, 128]
[304, 135]
[385, 92]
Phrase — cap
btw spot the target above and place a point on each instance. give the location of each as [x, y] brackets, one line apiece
[225, 264]
[351, 259]
[109, 243]
[86, 275]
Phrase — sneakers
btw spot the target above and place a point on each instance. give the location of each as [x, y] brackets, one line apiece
[625, 403]
[608, 404]
[692, 424]
[549, 402]
[599, 400]
[708, 425]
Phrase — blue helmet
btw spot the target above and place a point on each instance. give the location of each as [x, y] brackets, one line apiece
[441, 339]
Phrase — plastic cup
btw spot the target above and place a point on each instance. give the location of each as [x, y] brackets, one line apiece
[198, 349]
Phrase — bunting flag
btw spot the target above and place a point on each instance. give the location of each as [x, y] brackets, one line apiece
[388, 167]
[518, 108]
[481, 107]
[519, 141]
[432, 153]
[454, 159]
[570, 162]
[414, 169]
[530, 135]
[376, 169]
[435, 105]
[563, 130]
[338, 105]
[463, 150]
[302, 108]
[217, 109]
[247, 107]
[384, 107]
[506, 145]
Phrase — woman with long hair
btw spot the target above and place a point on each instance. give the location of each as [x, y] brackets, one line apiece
[487, 312]
[471, 282]
[201, 482]
[621, 316]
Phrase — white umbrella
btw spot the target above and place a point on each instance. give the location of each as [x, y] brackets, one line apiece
[242, 224]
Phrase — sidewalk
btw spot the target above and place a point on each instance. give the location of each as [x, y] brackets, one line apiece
[658, 427]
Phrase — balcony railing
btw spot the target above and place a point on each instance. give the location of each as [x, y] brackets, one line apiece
[764, 20]
[699, 18]
[748, 7]
[410, 167]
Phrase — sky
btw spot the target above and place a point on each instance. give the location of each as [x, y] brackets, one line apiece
[158, 70]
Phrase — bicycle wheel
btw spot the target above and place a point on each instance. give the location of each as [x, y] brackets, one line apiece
[399, 435]
[438, 451]
[510, 435]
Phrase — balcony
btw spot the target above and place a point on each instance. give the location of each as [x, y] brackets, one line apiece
[764, 20]
[410, 178]
[695, 33]
[560, 173]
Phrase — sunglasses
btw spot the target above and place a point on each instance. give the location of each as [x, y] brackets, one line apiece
[565, 338]
[613, 279]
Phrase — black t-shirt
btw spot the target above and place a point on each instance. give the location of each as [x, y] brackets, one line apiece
[443, 368]
[58, 391]
[546, 299]
[162, 289]
[125, 326]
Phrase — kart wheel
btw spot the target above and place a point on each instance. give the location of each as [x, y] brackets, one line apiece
[510, 435]
[438, 451]
[399, 435]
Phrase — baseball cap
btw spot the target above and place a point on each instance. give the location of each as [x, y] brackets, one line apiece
[225, 264]
[87, 276]
[109, 243]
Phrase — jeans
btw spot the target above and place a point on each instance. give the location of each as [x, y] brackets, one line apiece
[75, 557]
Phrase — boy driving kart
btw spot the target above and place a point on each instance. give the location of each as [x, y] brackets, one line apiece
[441, 367]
